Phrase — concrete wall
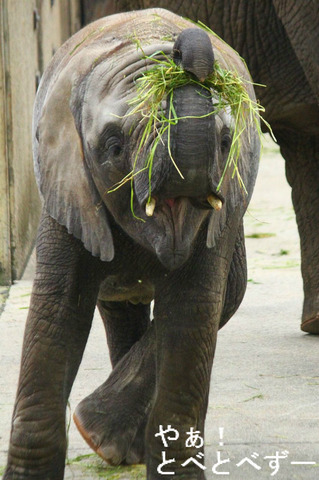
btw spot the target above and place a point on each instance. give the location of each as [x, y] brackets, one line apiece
[30, 33]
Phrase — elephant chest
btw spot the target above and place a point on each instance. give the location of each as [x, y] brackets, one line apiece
[119, 288]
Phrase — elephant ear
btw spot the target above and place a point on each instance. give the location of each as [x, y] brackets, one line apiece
[65, 183]
[236, 196]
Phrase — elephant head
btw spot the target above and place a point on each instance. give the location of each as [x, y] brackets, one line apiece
[86, 140]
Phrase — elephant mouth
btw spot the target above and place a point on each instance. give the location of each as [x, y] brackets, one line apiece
[179, 220]
[155, 204]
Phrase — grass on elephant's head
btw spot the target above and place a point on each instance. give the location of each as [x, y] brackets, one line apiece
[154, 103]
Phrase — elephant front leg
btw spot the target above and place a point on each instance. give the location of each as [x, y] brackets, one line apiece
[55, 336]
[301, 153]
[112, 419]
[184, 360]
[186, 322]
[127, 393]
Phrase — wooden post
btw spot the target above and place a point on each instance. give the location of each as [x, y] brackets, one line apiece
[30, 33]
[5, 243]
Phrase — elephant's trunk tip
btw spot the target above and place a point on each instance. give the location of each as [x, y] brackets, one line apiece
[193, 51]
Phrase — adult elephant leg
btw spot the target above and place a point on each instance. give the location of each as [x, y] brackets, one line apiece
[124, 324]
[301, 153]
[59, 320]
[188, 307]
[112, 419]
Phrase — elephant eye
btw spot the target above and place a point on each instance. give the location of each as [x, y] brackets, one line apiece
[177, 56]
[110, 146]
[225, 143]
[114, 146]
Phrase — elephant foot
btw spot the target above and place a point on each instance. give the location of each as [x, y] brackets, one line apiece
[113, 436]
[311, 325]
[113, 418]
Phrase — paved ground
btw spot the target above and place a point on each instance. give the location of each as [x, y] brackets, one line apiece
[265, 381]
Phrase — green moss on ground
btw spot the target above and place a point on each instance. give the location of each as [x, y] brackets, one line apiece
[94, 465]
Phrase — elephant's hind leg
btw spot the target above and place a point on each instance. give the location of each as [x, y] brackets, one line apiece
[113, 418]
[124, 324]
[301, 153]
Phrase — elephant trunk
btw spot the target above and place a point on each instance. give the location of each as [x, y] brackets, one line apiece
[192, 145]
[194, 53]
[183, 160]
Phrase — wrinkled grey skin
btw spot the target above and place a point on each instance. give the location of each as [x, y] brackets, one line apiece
[91, 250]
[279, 41]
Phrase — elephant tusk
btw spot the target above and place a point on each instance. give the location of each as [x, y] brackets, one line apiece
[214, 202]
[150, 207]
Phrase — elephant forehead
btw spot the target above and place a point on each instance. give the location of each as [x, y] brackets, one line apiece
[96, 115]
[100, 110]
[112, 84]
[224, 118]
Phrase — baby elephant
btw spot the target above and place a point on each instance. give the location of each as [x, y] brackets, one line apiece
[131, 214]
